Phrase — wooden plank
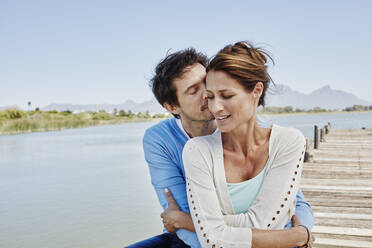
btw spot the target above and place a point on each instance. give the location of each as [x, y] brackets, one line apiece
[333, 209]
[343, 189]
[343, 231]
[338, 184]
[353, 203]
[343, 216]
[349, 223]
[343, 161]
[329, 174]
[341, 243]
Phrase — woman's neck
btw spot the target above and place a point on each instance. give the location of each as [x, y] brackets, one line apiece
[246, 138]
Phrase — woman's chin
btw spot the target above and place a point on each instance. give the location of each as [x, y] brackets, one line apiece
[224, 128]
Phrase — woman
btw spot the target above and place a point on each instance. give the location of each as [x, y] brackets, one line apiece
[243, 177]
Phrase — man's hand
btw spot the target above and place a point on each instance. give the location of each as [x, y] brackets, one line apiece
[171, 215]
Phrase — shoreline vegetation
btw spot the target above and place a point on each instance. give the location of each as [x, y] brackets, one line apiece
[15, 121]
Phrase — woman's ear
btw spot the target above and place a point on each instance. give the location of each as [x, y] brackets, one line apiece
[258, 89]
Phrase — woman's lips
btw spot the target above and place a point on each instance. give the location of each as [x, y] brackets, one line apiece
[222, 118]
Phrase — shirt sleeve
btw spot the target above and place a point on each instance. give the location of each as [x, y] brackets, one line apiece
[303, 212]
[165, 173]
[204, 205]
[275, 203]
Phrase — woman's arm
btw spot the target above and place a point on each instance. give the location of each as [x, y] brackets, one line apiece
[205, 210]
[174, 218]
[206, 213]
[293, 237]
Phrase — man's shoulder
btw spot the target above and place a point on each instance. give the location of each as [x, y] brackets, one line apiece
[165, 134]
[163, 127]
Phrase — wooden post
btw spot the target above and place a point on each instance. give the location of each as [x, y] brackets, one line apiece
[326, 127]
[322, 135]
[309, 155]
[316, 137]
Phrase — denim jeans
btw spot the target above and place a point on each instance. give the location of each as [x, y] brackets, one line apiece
[165, 240]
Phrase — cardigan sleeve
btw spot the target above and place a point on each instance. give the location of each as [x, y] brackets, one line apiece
[304, 212]
[274, 205]
[210, 226]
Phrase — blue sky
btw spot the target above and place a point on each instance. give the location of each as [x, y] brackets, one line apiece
[105, 51]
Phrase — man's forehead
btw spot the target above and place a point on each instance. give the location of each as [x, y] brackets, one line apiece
[189, 70]
[192, 75]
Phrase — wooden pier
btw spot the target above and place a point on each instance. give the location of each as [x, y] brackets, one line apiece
[338, 185]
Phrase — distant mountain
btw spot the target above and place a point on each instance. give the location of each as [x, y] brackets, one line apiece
[8, 107]
[325, 97]
[152, 106]
[279, 96]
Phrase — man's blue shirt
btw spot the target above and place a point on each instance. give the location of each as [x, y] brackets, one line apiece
[163, 144]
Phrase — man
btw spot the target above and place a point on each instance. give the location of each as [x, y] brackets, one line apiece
[179, 86]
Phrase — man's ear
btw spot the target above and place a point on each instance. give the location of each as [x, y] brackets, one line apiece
[172, 108]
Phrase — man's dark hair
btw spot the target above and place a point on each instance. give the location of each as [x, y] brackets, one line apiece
[170, 68]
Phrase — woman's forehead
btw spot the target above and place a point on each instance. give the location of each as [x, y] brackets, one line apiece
[221, 81]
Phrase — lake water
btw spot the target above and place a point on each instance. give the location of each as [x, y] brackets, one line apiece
[90, 187]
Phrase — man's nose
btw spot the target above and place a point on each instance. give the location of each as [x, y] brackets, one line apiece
[205, 95]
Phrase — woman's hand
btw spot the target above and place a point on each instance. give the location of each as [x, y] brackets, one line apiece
[297, 224]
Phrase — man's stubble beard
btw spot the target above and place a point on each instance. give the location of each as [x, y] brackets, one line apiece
[201, 119]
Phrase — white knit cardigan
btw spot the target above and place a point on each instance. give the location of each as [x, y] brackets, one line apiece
[208, 197]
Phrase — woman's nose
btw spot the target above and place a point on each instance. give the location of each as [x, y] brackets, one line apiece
[215, 106]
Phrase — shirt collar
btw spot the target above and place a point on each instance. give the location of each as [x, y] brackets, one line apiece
[179, 124]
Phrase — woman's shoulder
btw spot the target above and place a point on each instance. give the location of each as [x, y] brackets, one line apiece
[286, 135]
[200, 152]
[203, 144]
[205, 141]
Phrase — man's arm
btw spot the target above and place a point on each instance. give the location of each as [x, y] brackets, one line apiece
[164, 172]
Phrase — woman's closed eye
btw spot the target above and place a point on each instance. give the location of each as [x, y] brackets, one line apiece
[227, 96]
[209, 95]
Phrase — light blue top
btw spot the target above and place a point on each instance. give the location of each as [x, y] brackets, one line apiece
[243, 194]
[163, 144]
